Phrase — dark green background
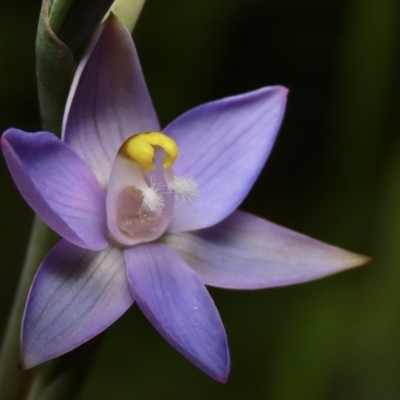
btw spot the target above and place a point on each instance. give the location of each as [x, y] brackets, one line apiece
[334, 174]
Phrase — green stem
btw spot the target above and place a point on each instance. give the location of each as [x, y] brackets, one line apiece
[12, 378]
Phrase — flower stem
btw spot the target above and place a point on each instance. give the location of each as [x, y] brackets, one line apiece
[12, 378]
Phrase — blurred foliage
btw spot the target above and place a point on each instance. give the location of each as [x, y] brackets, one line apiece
[334, 174]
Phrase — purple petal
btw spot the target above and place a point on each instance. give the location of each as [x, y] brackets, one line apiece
[247, 252]
[109, 100]
[176, 302]
[58, 185]
[224, 145]
[75, 295]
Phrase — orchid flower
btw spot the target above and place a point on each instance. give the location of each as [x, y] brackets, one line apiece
[150, 217]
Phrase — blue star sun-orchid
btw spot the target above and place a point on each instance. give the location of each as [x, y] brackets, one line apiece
[149, 217]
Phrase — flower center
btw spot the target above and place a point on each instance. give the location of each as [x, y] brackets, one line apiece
[140, 194]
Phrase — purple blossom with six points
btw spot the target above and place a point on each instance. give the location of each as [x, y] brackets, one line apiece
[152, 235]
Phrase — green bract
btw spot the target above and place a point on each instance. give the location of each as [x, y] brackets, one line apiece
[65, 26]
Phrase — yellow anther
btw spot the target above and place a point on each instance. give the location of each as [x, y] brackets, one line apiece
[139, 148]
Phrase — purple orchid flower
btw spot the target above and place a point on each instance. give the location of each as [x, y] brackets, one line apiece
[134, 229]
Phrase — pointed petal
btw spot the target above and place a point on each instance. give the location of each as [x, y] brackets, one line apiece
[58, 185]
[247, 252]
[224, 145]
[176, 302]
[75, 295]
[109, 100]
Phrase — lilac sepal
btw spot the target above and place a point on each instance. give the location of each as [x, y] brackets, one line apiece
[109, 100]
[76, 294]
[224, 145]
[247, 252]
[177, 303]
[58, 185]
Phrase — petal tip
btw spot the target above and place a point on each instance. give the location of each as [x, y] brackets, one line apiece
[219, 371]
[283, 89]
[223, 378]
[6, 133]
[345, 260]
[216, 373]
[4, 138]
[358, 260]
[27, 362]
[278, 90]
[282, 93]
